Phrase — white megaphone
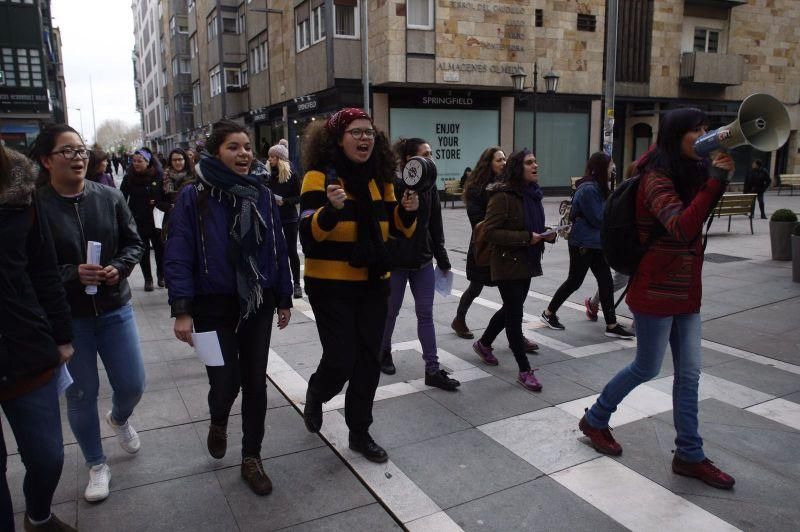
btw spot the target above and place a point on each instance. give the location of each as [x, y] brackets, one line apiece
[762, 122]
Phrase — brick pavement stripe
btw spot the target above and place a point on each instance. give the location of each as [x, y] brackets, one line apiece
[779, 410]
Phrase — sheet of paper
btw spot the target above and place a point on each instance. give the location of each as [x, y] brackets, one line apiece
[206, 344]
[158, 218]
[64, 379]
[556, 229]
[443, 281]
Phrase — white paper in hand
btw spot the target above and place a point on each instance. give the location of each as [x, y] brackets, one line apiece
[158, 218]
[443, 281]
[64, 379]
[206, 344]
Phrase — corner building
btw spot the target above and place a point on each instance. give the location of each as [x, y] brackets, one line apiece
[442, 70]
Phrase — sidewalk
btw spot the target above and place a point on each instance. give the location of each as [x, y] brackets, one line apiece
[491, 456]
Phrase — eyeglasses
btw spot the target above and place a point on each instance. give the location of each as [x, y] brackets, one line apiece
[359, 133]
[70, 153]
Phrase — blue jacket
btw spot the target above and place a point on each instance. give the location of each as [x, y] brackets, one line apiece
[587, 215]
[198, 262]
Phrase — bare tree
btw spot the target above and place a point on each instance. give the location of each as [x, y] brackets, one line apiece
[116, 135]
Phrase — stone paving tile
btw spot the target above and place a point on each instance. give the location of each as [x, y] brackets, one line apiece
[540, 504]
[486, 400]
[757, 376]
[794, 397]
[195, 503]
[372, 517]
[410, 419]
[462, 466]
[583, 372]
[306, 486]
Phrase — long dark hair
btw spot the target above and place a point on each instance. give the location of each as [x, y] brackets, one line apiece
[482, 174]
[514, 172]
[43, 146]
[405, 148]
[666, 156]
[219, 132]
[321, 149]
[597, 170]
[96, 155]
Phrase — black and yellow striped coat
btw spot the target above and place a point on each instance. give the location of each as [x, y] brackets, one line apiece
[329, 235]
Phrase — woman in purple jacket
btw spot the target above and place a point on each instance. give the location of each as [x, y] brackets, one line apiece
[227, 271]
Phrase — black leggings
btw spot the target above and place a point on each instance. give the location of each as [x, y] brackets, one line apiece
[245, 354]
[351, 332]
[473, 290]
[290, 234]
[581, 260]
[513, 294]
[158, 248]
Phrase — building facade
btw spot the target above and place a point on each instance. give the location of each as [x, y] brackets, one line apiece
[442, 70]
[32, 90]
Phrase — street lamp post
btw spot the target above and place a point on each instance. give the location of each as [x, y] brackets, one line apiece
[551, 82]
[80, 113]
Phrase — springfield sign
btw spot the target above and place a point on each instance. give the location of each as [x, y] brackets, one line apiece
[457, 136]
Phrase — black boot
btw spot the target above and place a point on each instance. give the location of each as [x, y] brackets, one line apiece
[364, 444]
[387, 364]
[312, 413]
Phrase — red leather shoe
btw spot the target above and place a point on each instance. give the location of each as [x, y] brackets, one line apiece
[601, 439]
[705, 471]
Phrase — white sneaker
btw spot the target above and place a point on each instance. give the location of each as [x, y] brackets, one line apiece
[99, 479]
[126, 435]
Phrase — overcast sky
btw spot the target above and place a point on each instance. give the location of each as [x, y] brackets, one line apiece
[97, 41]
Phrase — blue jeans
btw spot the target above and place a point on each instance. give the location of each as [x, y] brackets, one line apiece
[652, 334]
[114, 337]
[422, 288]
[35, 420]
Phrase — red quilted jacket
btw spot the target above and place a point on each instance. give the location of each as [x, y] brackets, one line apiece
[668, 279]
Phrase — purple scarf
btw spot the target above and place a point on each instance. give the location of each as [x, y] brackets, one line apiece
[534, 217]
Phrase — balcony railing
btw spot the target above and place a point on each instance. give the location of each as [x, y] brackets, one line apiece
[702, 68]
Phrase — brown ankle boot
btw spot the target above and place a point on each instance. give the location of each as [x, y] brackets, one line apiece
[459, 325]
[217, 440]
[253, 473]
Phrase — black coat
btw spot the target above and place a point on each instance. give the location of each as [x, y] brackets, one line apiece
[290, 192]
[142, 197]
[34, 314]
[427, 242]
[477, 201]
[756, 181]
[99, 214]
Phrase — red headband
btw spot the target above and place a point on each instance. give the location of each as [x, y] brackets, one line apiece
[337, 124]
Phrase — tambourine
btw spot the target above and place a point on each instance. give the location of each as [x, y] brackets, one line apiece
[419, 174]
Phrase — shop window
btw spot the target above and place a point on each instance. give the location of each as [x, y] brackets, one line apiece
[706, 40]
[419, 14]
[642, 139]
[345, 18]
[587, 22]
[216, 81]
[317, 24]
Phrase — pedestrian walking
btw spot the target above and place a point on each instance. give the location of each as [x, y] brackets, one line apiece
[757, 182]
[228, 272]
[348, 211]
[488, 170]
[143, 189]
[79, 211]
[412, 261]
[514, 228]
[285, 185]
[177, 174]
[463, 181]
[98, 162]
[35, 340]
[585, 249]
[677, 193]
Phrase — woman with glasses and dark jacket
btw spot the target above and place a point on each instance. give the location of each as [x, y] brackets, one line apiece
[228, 272]
[676, 194]
[348, 210]
[413, 264]
[35, 340]
[143, 189]
[516, 232]
[79, 211]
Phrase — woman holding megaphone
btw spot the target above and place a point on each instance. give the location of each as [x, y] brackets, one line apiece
[675, 196]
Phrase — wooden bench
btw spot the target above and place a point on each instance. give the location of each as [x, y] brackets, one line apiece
[789, 180]
[733, 204]
[452, 192]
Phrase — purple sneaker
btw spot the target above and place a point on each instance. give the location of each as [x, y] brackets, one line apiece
[485, 353]
[529, 381]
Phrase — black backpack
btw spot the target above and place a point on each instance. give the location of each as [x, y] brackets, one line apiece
[618, 233]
